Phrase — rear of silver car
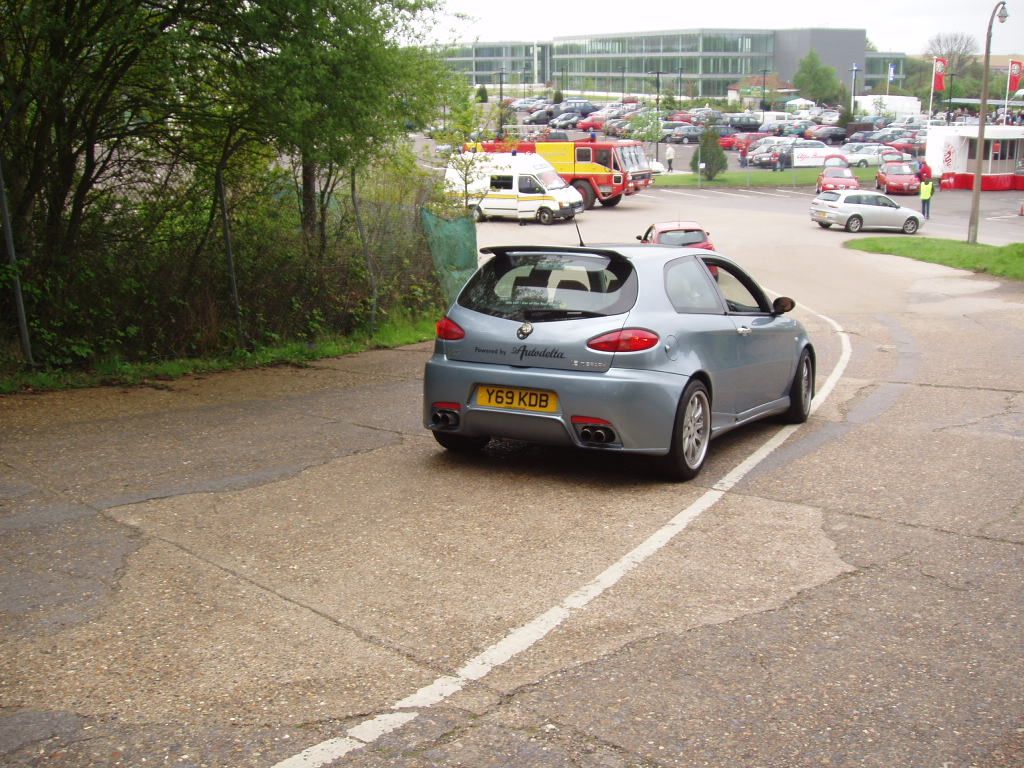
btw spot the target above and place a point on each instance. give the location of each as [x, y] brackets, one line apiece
[529, 352]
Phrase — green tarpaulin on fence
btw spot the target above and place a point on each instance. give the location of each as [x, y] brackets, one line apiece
[453, 247]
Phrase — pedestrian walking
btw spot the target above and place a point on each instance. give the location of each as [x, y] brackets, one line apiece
[670, 155]
[743, 155]
[927, 188]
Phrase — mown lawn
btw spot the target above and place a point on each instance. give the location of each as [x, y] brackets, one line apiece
[1001, 261]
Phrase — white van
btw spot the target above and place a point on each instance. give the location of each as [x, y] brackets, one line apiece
[508, 185]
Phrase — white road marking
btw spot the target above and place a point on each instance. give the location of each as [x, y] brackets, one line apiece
[762, 192]
[727, 194]
[684, 194]
[519, 640]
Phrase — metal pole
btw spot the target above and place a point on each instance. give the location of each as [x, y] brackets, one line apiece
[979, 155]
[853, 90]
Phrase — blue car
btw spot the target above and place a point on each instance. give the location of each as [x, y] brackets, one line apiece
[641, 349]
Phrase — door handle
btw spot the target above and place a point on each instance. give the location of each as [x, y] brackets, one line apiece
[743, 330]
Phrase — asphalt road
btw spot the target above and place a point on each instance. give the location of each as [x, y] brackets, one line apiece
[281, 567]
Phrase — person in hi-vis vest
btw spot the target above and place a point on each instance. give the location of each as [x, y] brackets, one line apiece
[927, 188]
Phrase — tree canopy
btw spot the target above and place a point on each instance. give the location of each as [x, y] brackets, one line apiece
[816, 80]
[117, 106]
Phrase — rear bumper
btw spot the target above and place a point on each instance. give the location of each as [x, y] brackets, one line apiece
[639, 405]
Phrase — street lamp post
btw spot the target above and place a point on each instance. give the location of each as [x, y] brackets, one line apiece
[526, 70]
[764, 83]
[501, 101]
[979, 155]
[853, 89]
[657, 88]
[949, 95]
[679, 84]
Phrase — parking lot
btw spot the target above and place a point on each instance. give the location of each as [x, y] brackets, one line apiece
[281, 568]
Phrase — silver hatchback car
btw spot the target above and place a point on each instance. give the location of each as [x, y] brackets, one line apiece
[642, 349]
[857, 209]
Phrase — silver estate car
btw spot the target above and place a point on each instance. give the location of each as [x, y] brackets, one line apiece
[857, 209]
[642, 349]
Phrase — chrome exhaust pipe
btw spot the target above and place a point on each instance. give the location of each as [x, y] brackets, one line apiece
[587, 434]
[598, 435]
[444, 419]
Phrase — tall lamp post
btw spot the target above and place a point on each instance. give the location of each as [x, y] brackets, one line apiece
[949, 95]
[526, 70]
[657, 87]
[853, 89]
[623, 82]
[764, 83]
[501, 101]
[979, 155]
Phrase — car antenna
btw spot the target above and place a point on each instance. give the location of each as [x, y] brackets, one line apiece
[582, 244]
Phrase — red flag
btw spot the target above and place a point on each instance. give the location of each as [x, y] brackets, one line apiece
[1015, 71]
[939, 74]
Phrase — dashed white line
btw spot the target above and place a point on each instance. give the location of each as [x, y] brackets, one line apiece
[526, 636]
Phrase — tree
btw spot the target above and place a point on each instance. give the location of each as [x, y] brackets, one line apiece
[816, 80]
[959, 49]
[710, 154]
[481, 93]
[647, 127]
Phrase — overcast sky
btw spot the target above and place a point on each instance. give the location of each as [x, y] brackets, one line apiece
[892, 25]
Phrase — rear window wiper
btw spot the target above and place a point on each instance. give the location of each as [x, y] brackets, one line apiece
[558, 314]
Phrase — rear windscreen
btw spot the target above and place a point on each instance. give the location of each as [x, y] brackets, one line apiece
[683, 237]
[551, 286]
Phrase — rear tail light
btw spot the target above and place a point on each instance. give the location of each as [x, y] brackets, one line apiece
[449, 330]
[626, 340]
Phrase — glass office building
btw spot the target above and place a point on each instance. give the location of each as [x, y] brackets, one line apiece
[700, 63]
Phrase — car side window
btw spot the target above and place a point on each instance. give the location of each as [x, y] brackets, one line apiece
[737, 292]
[501, 182]
[528, 185]
[885, 202]
[690, 289]
[583, 154]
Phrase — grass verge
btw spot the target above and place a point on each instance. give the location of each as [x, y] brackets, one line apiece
[758, 177]
[395, 333]
[1001, 261]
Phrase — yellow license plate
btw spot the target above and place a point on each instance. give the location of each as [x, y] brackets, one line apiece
[514, 398]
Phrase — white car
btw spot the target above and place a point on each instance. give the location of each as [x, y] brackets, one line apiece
[808, 153]
[871, 154]
[857, 209]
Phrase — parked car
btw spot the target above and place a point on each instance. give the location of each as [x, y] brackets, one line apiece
[912, 146]
[726, 135]
[897, 177]
[686, 134]
[612, 127]
[565, 120]
[804, 153]
[836, 178]
[539, 117]
[688, 233]
[593, 122]
[830, 134]
[746, 138]
[861, 209]
[620, 349]
[871, 154]
[766, 156]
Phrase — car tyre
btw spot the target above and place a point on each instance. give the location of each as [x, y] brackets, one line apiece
[862, 163]
[686, 139]
[801, 391]
[478, 214]
[854, 224]
[825, 224]
[691, 434]
[586, 192]
[910, 226]
[611, 202]
[545, 216]
[461, 443]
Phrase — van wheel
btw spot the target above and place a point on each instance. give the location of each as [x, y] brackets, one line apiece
[545, 216]
[611, 202]
[586, 192]
[478, 215]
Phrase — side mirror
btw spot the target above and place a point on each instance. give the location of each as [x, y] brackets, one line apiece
[782, 305]
[640, 238]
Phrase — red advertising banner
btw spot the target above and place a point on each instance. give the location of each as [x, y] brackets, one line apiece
[939, 74]
[1015, 71]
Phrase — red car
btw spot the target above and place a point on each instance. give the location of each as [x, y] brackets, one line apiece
[897, 177]
[911, 145]
[836, 177]
[746, 138]
[594, 122]
[688, 233]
